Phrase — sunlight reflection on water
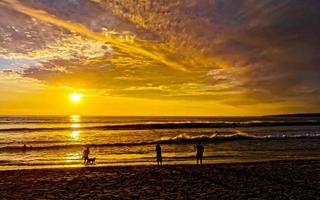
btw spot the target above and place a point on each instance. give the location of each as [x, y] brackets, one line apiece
[71, 157]
[75, 126]
[75, 135]
[75, 118]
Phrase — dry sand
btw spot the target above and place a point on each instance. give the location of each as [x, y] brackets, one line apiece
[267, 180]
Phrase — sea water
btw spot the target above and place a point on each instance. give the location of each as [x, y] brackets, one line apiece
[58, 141]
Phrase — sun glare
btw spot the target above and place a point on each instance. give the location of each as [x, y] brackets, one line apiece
[75, 135]
[75, 126]
[75, 98]
[75, 118]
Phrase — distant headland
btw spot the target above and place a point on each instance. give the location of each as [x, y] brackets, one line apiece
[295, 115]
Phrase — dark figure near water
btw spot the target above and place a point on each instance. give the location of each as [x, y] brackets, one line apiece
[85, 155]
[24, 148]
[200, 150]
[159, 156]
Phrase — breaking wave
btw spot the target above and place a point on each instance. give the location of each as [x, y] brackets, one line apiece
[179, 139]
[183, 125]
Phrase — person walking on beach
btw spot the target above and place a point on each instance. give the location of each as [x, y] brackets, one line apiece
[159, 156]
[85, 155]
[200, 150]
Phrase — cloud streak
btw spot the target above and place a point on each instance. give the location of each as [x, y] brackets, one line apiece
[81, 29]
[257, 54]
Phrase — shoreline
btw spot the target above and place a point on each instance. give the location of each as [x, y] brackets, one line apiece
[294, 179]
[147, 164]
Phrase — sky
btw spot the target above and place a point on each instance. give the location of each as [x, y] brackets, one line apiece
[159, 57]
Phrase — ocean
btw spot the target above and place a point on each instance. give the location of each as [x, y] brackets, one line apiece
[58, 141]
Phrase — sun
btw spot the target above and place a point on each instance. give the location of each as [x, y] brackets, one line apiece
[75, 98]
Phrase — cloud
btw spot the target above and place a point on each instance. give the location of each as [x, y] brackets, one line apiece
[83, 30]
[238, 53]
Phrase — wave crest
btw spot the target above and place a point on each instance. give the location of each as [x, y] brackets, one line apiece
[184, 125]
[179, 139]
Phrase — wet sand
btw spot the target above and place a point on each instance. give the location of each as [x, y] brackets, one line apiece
[264, 180]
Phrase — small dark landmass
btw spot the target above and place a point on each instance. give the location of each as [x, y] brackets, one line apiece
[295, 115]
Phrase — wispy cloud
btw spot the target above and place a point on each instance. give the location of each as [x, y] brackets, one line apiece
[236, 53]
[131, 48]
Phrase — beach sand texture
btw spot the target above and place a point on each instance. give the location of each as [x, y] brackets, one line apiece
[265, 180]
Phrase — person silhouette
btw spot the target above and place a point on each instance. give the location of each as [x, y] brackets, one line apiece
[200, 150]
[85, 155]
[159, 156]
[24, 148]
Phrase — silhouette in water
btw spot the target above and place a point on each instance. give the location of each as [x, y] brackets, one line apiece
[200, 150]
[159, 156]
[24, 148]
[85, 155]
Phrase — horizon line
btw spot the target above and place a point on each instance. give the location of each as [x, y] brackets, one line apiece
[66, 115]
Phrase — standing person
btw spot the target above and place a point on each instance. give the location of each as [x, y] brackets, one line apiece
[159, 156]
[85, 155]
[200, 150]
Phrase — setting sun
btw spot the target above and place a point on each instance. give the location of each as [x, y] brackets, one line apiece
[127, 99]
[75, 98]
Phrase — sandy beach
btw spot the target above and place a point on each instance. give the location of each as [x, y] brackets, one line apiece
[263, 180]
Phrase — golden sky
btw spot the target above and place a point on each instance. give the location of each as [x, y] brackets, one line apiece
[159, 57]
